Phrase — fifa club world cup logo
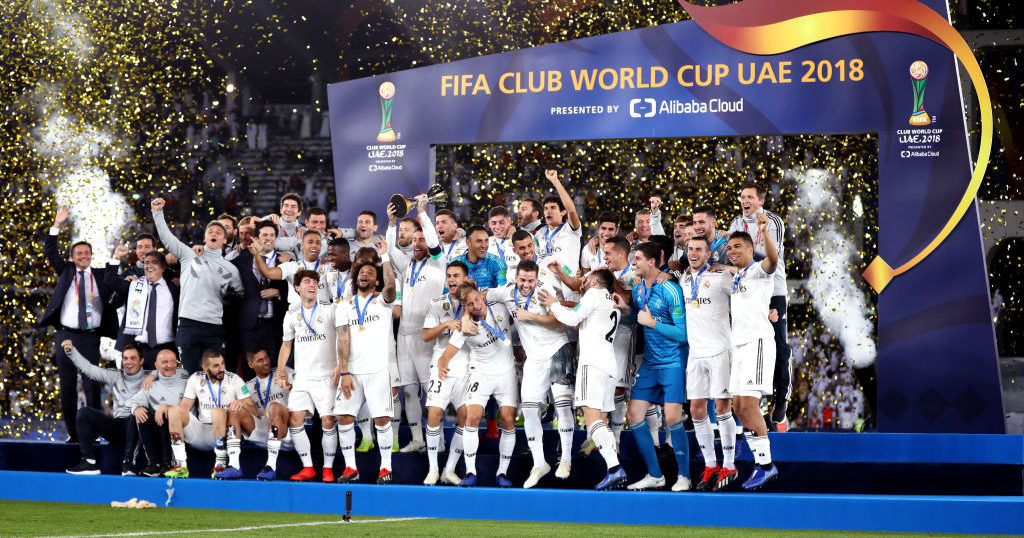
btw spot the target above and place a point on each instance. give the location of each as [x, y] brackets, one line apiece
[387, 93]
[918, 80]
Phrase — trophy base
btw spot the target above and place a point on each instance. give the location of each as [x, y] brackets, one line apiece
[920, 118]
[387, 135]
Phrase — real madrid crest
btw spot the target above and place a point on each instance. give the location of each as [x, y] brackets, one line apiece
[498, 317]
[446, 307]
[707, 283]
[319, 319]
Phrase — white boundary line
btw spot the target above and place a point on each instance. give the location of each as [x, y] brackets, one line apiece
[252, 528]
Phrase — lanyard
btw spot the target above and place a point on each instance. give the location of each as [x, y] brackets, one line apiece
[219, 394]
[92, 287]
[264, 400]
[312, 313]
[758, 241]
[623, 273]
[550, 235]
[739, 275]
[414, 274]
[458, 311]
[645, 294]
[362, 314]
[315, 267]
[339, 286]
[718, 242]
[599, 255]
[695, 282]
[450, 249]
[496, 331]
[271, 259]
[515, 297]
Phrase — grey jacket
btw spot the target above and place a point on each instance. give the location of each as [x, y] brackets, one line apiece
[123, 386]
[165, 390]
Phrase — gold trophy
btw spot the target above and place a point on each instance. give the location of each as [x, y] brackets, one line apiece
[403, 204]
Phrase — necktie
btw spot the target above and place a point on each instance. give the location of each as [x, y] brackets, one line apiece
[151, 316]
[264, 307]
[83, 319]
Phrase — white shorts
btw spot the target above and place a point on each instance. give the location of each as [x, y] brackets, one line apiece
[595, 389]
[414, 359]
[536, 384]
[753, 368]
[623, 345]
[440, 392]
[309, 394]
[198, 435]
[395, 378]
[261, 433]
[481, 386]
[373, 389]
[708, 377]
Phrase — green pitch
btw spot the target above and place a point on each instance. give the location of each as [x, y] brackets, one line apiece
[24, 518]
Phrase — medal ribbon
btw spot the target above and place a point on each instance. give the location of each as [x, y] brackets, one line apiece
[264, 400]
[496, 331]
[312, 313]
[414, 274]
[515, 297]
[695, 281]
[219, 395]
[362, 314]
[549, 235]
[739, 275]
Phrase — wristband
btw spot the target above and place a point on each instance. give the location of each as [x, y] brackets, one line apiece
[343, 374]
[385, 258]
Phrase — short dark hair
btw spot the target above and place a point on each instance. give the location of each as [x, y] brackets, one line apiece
[604, 278]
[666, 244]
[338, 242]
[497, 211]
[368, 252]
[159, 256]
[303, 274]
[521, 234]
[210, 354]
[217, 224]
[476, 228]
[225, 216]
[252, 350]
[744, 236]
[354, 272]
[608, 216]
[684, 219]
[553, 199]
[131, 345]
[650, 250]
[703, 238]
[529, 266]
[533, 203]
[619, 243]
[415, 223]
[142, 236]
[707, 210]
[446, 213]
[293, 197]
[370, 214]
[80, 243]
[310, 232]
[757, 189]
[459, 265]
[266, 223]
[316, 211]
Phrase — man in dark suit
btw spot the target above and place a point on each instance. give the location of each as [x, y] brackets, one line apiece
[151, 306]
[264, 302]
[78, 310]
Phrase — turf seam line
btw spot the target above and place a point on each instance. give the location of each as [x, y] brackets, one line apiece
[249, 528]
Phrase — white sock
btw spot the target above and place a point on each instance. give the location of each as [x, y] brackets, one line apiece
[273, 449]
[534, 431]
[706, 441]
[454, 452]
[178, 449]
[220, 450]
[347, 437]
[470, 444]
[727, 434]
[363, 421]
[433, 443]
[618, 417]
[566, 425]
[396, 417]
[605, 441]
[301, 443]
[329, 442]
[234, 451]
[385, 442]
[651, 418]
[414, 412]
[760, 447]
[506, 446]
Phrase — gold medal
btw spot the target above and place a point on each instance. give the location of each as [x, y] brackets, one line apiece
[361, 328]
[695, 303]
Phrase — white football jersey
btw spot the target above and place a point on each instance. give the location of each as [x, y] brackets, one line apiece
[209, 395]
[707, 321]
[452, 250]
[367, 352]
[421, 281]
[563, 243]
[749, 303]
[502, 248]
[591, 261]
[266, 390]
[598, 321]
[288, 270]
[334, 287]
[488, 353]
[539, 341]
[315, 344]
[443, 309]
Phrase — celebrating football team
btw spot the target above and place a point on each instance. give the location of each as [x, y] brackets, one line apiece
[270, 321]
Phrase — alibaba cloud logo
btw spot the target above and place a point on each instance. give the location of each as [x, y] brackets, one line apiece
[638, 108]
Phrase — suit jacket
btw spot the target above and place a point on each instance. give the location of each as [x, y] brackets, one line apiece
[120, 288]
[66, 274]
[248, 309]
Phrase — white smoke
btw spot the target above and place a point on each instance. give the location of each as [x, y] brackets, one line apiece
[834, 293]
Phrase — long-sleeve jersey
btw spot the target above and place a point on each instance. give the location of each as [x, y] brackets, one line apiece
[165, 390]
[122, 385]
[665, 345]
[778, 231]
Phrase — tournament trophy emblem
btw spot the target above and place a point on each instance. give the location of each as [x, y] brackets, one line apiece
[404, 204]
[919, 79]
[387, 93]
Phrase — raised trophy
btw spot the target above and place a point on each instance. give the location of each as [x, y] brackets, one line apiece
[403, 204]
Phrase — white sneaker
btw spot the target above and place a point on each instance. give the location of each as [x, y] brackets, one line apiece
[536, 474]
[647, 482]
[451, 479]
[563, 469]
[682, 484]
[413, 446]
[431, 478]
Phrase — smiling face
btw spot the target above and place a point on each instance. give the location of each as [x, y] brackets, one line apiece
[307, 289]
[697, 254]
[703, 225]
[317, 222]
[267, 237]
[260, 363]
[366, 280]
[338, 257]
[311, 247]
[644, 265]
[740, 252]
[498, 225]
[526, 213]
[475, 304]
[365, 227]
[477, 243]
[446, 228]
[607, 230]
[614, 257]
[750, 202]
[214, 237]
[152, 268]
[142, 247]
[166, 362]
[454, 276]
[419, 246]
[289, 210]
[524, 248]
[131, 361]
[82, 256]
[526, 281]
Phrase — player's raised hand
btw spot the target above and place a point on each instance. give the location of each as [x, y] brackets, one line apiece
[63, 212]
[255, 250]
[120, 251]
[67, 346]
[645, 318]
[593, 244]
[157, 204]
[762, 221]
[421, 202]
[555, 266]
[655, 203]
[632, 237]
[551, 175]
[391, 213]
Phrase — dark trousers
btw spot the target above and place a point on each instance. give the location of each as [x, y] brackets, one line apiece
[265, 335]
[782, 383]
[88, 344]
[194, 337]
[149, 353]
[155, 439]
[93, 424]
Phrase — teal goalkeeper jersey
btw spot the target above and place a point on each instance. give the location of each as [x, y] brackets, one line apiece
[665, 345]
